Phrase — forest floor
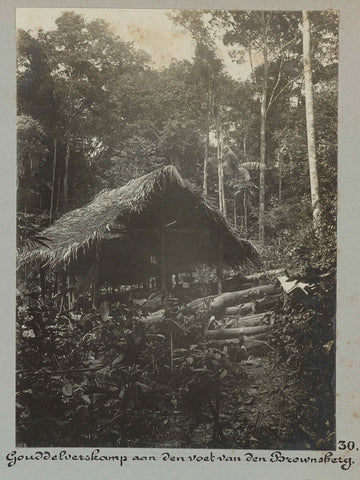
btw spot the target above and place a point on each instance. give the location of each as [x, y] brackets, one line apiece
[263, 416]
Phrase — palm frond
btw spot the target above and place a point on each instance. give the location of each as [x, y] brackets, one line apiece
[252, 165]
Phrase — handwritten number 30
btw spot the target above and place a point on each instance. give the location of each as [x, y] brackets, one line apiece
[342, 445]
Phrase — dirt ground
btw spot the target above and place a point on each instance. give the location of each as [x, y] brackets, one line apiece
[264, 415]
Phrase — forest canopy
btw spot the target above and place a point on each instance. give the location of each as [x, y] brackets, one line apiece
[94, 112]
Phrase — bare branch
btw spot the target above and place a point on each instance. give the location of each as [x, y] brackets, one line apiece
[284, 88]
[276, 84]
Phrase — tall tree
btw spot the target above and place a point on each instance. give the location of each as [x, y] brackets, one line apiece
[85, 60]
[208, 69]
[268, 35]
[77, 85]
[314, 181]
[31, 155]
[265, 20]
[208, 72]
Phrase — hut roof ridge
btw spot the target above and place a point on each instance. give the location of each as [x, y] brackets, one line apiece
[84, 227]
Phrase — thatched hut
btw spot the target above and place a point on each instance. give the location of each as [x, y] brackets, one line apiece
[153, 226]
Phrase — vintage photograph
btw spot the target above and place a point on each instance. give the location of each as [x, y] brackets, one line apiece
[176, 228]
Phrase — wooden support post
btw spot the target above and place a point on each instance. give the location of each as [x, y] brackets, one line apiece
[164, 273]
[163, 253]
[96, 286]
[220, 266]
[55, 287]
[42, 283]
[63, 289]
[68, 292]
[171, 352]
[95, 292]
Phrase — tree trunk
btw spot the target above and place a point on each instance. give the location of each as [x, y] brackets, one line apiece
[245, 213]
[235, 213]
[206, 159]
[53, 183]
[262, 159]
[219, 166]
[280, 177]
[222, 170]
[220, 266]
[255, 306]
[264, 274]
[263, 138]
[309, 107]
[220, 141]
[237, 332]
[58, 195]
[66, 172]
[250, 321]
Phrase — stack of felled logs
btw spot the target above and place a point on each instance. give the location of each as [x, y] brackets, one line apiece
[244, 316]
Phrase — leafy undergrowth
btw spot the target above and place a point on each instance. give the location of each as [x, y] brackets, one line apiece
[114, 382]
[90, 381]
[303, 339]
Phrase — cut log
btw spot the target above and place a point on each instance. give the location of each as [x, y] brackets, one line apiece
[226, 341]
[268, 273]
[236, 332]
[232, 310]
[257, 306]
[229, 299]
[259, 316]
[249, 344]
[246, 309]
[250, 321]
[257, 337]
[247, 341]
[155, 317]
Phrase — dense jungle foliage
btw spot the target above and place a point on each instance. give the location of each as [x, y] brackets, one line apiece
[94, 113]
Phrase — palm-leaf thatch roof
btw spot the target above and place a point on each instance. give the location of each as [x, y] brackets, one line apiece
[120, 229]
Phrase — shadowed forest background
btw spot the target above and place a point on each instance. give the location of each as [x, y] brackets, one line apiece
[94, 113]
